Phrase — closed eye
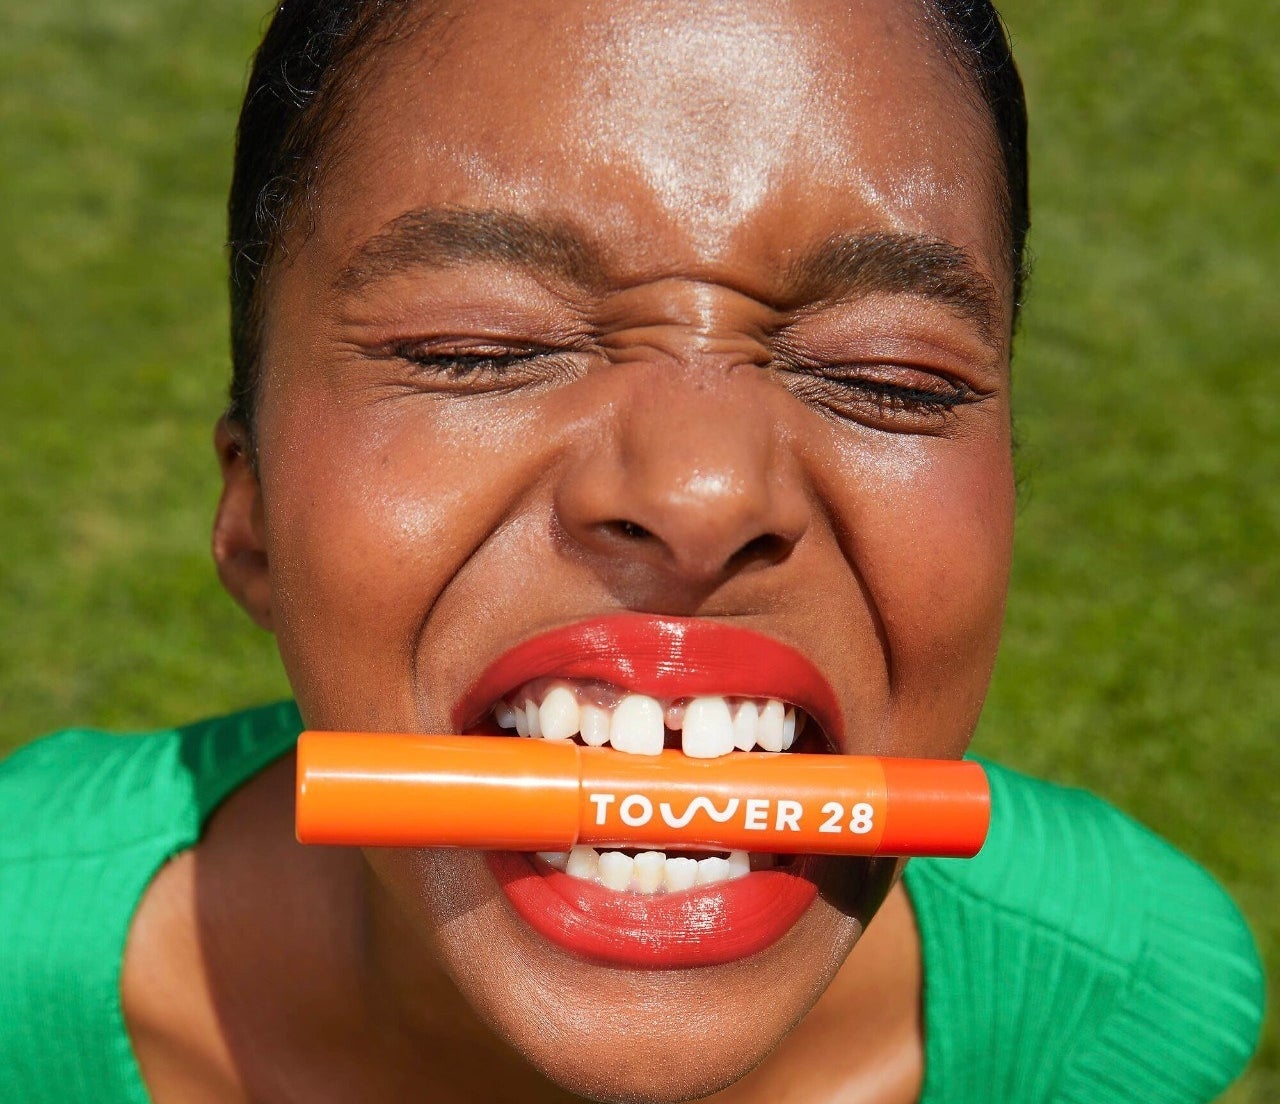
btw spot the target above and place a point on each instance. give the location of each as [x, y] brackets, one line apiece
[463, 365]
[477, 367]
[886, 396]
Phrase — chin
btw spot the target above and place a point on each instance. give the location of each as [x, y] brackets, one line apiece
[608, 1032]
[654, 1079]
[660, 1037]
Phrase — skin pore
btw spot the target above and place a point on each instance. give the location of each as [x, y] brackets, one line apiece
[675, 307]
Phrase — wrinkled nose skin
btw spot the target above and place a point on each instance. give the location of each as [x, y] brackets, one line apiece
[682, 482]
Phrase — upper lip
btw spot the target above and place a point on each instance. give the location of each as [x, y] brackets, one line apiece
[662, 656]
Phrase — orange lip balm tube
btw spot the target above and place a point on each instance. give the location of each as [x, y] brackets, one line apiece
[505, 793]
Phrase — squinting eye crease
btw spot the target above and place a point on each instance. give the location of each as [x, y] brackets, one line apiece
[846, 390]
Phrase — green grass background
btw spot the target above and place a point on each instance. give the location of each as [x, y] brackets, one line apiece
[1140, 658]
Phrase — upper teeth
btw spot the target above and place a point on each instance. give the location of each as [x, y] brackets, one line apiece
[709, 726]
[636, 725]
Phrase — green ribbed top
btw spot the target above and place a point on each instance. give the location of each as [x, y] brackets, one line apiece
[86, 820]
[1077, 959]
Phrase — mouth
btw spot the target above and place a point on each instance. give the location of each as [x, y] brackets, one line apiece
[641, 685]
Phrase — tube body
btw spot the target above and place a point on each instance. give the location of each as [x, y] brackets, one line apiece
[505, 793]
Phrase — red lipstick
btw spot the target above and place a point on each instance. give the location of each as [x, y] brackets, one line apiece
[663, 657]
[699, 927]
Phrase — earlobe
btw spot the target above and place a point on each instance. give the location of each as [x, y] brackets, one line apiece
[239, 547]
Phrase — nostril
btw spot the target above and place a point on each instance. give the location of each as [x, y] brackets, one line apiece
[766, 548]
[628, 530]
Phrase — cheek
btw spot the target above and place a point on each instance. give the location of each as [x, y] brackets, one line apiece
[372, 511]
[931, 537]
[951, 534]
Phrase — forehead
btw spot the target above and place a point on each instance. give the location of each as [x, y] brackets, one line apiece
[680, 135]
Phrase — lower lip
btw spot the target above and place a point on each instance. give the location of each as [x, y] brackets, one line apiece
[708, 926]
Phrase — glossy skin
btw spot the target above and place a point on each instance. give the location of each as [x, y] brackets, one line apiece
[680, 450]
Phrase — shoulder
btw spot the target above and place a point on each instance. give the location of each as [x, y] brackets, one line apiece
[86, 820]
[85, 790]
[1128, 972]
[62, 794]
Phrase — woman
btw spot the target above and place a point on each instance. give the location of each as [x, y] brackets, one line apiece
[598, 346]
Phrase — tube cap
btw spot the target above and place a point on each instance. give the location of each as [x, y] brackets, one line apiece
[457, 791]
[933, 805]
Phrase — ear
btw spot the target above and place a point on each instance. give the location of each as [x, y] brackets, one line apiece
[239, 547]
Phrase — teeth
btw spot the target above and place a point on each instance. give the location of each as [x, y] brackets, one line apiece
[708, 729]
[615, 870]
[595, 725]
[558, 714]
[647, 871]
[652, 872]
[713, 869]
[710, 725]
[744, 726]
[637, 725]
[769, 729]
[681, 873]
[584, 863]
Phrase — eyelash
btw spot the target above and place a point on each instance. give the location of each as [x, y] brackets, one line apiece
[459, 367]
[880, 401]
[887, 400]
[894, 397]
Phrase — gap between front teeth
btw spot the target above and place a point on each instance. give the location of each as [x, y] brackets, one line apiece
[650, 872]
[709, 726]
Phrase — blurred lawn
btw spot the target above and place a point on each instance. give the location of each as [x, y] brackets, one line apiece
[1141, 656]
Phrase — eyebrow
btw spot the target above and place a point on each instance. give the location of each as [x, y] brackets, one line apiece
[844, 266]
[849, 265]
[441, 237]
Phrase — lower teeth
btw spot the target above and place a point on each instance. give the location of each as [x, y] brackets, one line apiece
[652, 872]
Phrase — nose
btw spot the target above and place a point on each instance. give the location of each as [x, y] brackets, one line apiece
[688, 479]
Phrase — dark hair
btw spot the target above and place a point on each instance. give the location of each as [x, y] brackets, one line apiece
[299, 86]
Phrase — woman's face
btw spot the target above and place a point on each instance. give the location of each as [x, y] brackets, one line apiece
[674, 309]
